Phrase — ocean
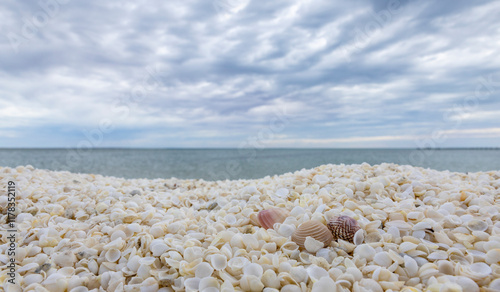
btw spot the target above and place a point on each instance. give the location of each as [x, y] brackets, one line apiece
[219, 164]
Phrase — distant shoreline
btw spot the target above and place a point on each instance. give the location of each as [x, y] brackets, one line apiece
[236, 148]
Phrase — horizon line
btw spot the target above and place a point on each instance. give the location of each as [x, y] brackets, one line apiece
[263, 148]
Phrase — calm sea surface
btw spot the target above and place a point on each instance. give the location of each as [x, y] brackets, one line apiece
[210, 164]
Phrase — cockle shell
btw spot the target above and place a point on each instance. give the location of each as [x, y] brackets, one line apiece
[314, 229]
[343, 227]
[268, 217]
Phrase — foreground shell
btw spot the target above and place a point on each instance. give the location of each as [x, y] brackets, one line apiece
[343, 227]
[268, 217]
[314, 229]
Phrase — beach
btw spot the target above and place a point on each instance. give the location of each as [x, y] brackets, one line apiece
[421, 230]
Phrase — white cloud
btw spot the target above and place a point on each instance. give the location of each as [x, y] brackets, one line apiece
[225, 71]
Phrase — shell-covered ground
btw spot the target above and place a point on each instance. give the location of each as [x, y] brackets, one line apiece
[423, 230]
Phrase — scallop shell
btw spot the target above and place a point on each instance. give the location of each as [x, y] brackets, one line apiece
[343, 227]
[268, 217]
[314, 229]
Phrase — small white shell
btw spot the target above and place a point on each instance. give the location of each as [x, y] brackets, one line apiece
[359, 237]
[407, 246]
[493, 256]
[312, 245]
[158, 249]
[315, 273]
[365, 251]
[382, 259]
[219, 261]
[253, 269]
[203, 270]
[477, 225]
[112, 255]
[208, 284]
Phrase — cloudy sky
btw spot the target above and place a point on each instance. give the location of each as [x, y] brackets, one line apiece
[247, 73]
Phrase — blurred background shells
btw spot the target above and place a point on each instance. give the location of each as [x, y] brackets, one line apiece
[267, 218]
[314, 229]
[343, 227]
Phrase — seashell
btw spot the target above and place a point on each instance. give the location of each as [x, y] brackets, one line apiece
[411, 266]
[192, 283]
[495, 285]
[219, 261]
[267, 218]
[312, 245]
[299, 274]
[359, 237]
[374, 236]
[382, 259]
[407, 246]
[445, 267]
[203, 270]
[493, 256]
[365, 251]
[208, 284]
[324, 284]
[32, 278]
[315, 273]
[112, 255]
[270, 279]
[236, 264]
[314, 229]
[286, 230]
[158, 249]
[56, 282]
[251, 283]
[438, 255]
[343, 227]
[65, 259]
[477, 225]
[253, 269]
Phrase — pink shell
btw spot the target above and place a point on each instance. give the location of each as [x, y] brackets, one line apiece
[343, 227]
[268, 217]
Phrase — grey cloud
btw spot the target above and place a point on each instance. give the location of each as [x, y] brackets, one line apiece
[223, 61]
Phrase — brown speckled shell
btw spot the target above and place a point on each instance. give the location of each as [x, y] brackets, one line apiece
[343, 227]
[268, 217]
[314, 229]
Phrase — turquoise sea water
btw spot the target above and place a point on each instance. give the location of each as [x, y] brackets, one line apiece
[214, 164]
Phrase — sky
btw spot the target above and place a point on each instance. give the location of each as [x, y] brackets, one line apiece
[247, 73]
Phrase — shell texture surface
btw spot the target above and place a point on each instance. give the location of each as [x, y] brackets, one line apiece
[267, 218]
[417, 230]
[313, 229]
[343, 227]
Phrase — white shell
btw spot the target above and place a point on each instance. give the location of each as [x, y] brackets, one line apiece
[315, 273]
[253, 269]
[203, 270]
[477, 225]
[312, 245]
[219, 261]
[365, 251]
[382, 259]
[158, 249]
[192, 283]
[359, 237]
[208, 284]
[112, 255]
[324, 284]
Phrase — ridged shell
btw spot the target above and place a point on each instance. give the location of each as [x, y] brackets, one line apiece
[268, 217]
[343, 227]
[314, 229]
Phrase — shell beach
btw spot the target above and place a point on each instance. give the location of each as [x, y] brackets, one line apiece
[420, 230]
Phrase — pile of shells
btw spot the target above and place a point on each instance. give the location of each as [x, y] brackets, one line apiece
[419, 230]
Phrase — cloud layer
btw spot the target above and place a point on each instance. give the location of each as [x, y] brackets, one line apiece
[242, 73]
